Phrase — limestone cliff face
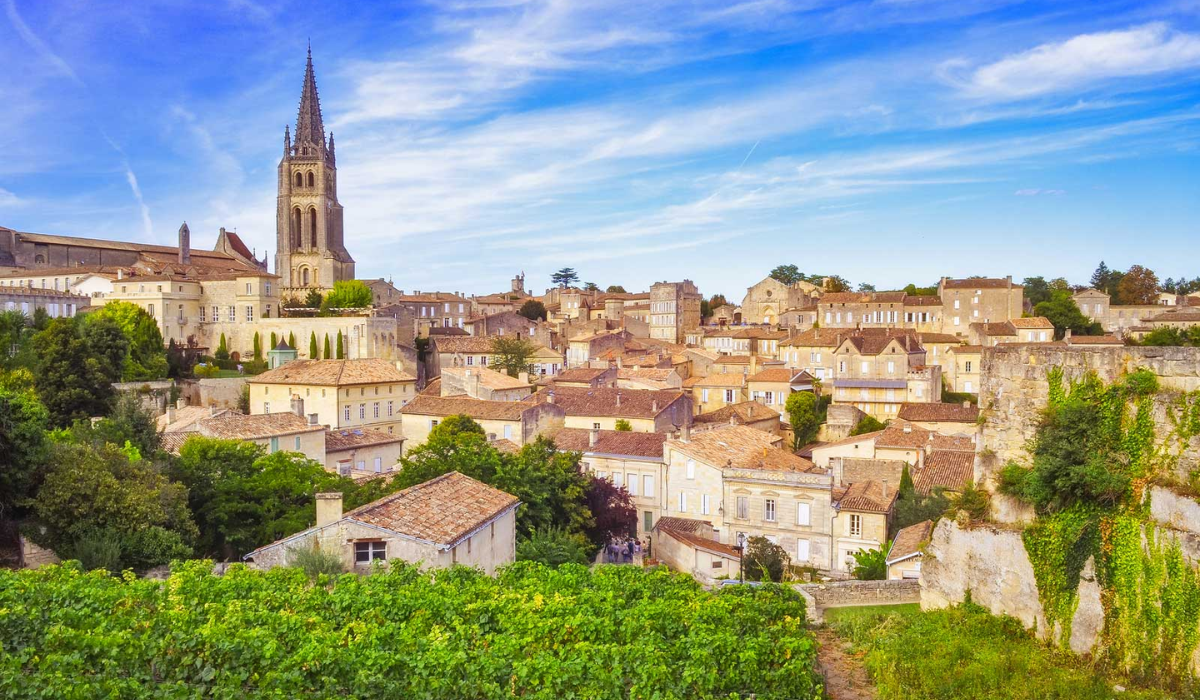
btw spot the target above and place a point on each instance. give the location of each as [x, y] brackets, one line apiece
[1013, 393]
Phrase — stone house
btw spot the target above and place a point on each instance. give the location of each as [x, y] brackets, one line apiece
[751, 414]
[980, 299]
[343, 394]
[587, 377]
[904, 557]
[517, 421]
[966, 364]
[718, 390]
[648, 378]
[27, 300]
[692, 547]
[674, 308]
[362, 451]
[646, 411]
[741, 481]
[773, 385]
[630, 460]
[546, 362]
[458, 351]
[766, 301]
[813, 351]
[449, 520]
[948, 418]
[505, 323]
[584, 348]
[1181, 318]
[484, 383]
[937, 347]
[277, 432]
[862, 512]
[878, 371]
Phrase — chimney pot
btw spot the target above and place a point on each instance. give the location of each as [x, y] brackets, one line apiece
[297, 405]
[685, 433]
[885, 488]
[329, 508]
[312, 419]
[593, 437]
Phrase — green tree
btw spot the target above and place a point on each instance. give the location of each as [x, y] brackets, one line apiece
[914, 291]
[257, 346]
[91, 488]
[313, 299]
[764, 560]
[16, 334]
[866, 288]
[803, 410]
[129, 422]
[328, 351]
[615, 289]
[591, 287]
[1139, 285]
[274, 340]
[551, 485]
[834, 283]
[348, 294]
[1101, 277]
[913, 507]
[788, 274]
[222, 354]
[868, 424]
[75, 371]
[23, 424]
[146, 356]
[292, 340]
[623, 425]
[341, 350]
[512, 354]
[565, 277]
[312, 346]
[456, 444]
[1064, 313]
[533, 310]
[870, 564]
[1037, 289]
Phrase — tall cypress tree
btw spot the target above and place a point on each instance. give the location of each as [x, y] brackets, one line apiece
[292, 341]
[341, 351]
[327, 354]
[257, 346]
[312, 346]
[274, 340]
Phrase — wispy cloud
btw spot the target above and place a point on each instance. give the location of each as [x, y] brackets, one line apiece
[40, 47]
[1035, 192]
[8, 199]
[1083, 61]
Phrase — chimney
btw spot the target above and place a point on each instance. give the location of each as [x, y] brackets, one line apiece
[654, 405]
[593, 437]
[618, 398]
[1067, 334]
[170, 413]
[838, 470]
[550, 396]
[329, 508]
[750, 410]
[120, 273]
[907, 429]
[885, 488]
[312, 419]
[212, 409]
[685, 433]
[297, 405]
[185, 244]
[523, 377]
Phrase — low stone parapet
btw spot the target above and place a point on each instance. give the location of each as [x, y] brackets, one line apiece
[845, 594]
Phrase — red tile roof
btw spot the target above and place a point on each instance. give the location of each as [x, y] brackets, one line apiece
[442, 510]
[908, 541]
[603, 401]
[947, 469]
[938, 412]
[611, 442]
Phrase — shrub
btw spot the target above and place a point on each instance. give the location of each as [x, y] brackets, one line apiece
[868, 424]
[870, 564]
[764, 560]
[553, 547]
[98, 549]
[623, 425]
[1011, 480]
[315, 562]
[207, 371]
[973, 501]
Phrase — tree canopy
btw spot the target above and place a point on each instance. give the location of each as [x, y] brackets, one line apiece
[146, 358]
[615, 289]
[347, 294]
[76, 368]
[1139, 285]
[1062, 311]
[804, 413]
[512, 354]
[788, 274]
[565, 277]
[533, 310]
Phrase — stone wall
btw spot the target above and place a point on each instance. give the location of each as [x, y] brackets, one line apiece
[225, 392]
[1013, 392]
[844, 594]
[840, 420]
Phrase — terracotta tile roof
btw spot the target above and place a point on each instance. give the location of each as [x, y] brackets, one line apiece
[473, 408]
[505, 446]
[488, 378]
[463, 344]
[173, 442]
[337, 440]
[722, 379]
[442, 510]
[908, 541]
[1032, 322]
[774, 374]
[938, 412]
[865, 497]
[852, 439]
[186, 418]
[947, 469]
[603, 401]
[875, 343]
[656, 374]
[433, 388]
[954, 443]
[732, 360]
[939, 338]
[742, 413]
[903, 436]
[922, 300]
[1177, 317]
[997, 328]
[698, 541]
[740, 447]
[235, 426]
[967, 349]
[844, 298]
[580, 374]
[334, 373]
[980, 283]
[24, 291]
[1094, 340]
[611, 442]
[818, 337]
[448, 332]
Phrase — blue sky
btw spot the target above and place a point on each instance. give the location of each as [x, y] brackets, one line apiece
[888, 141]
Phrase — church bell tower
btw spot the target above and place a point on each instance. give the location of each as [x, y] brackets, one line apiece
[311, 252]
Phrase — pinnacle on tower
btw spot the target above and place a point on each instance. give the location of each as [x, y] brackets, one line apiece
[287, 140]
[310, 129]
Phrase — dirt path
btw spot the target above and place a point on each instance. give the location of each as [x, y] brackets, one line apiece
[845, 676]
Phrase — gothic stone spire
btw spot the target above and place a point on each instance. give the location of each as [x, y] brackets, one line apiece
[310, 129]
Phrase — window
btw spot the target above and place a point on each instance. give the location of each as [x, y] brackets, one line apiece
[201, 314]
[508, 432]
[483, 360]
[347, 412]
[247, 287]
[855, 525]
[361, 465]
[297, 443]
[362, 411]
[682, 502]
[648, 485]
[150, 309]
[631, 482]
[919, 390]
[891, 367]
[729, 396]
[704, 395]
[267, 288]
[266, 406]
[967, 387]
[249, 314]
[690, 468]
[956, 303]
[274, 444]
[216, 314]
[803, 514]
[770, 397]
[618, 479]
[378, 464]
[367, 552]
[232, 314]
[866, 367]
[956, 320]
[769, 510]
[802, 550]
[743, 507]
[470, 360]
[389, 409]
[967, 366]
[647, 520]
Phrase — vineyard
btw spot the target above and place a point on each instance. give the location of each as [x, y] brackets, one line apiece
[532, 632]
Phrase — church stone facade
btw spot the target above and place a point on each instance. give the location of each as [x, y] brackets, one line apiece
[310, 244]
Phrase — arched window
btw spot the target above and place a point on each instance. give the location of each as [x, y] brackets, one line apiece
[311, 180]
[296, 225]
[39, 259]
[299, 179]
[304, 277]
[312, 229]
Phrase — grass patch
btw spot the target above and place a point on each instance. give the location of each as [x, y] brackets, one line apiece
[845, 616]
[965, 653]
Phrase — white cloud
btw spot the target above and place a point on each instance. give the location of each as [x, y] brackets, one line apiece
[1084, 60]
[1035, 192]
[8, 199]
[35, 42]
[147, 224]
